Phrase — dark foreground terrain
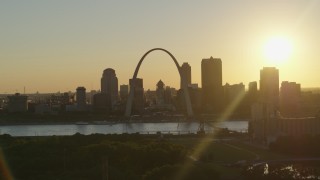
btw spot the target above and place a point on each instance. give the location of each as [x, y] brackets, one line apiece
[154, 157]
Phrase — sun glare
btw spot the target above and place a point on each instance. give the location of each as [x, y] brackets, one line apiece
[278, 50]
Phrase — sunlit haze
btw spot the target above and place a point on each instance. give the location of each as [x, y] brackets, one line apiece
[51, 46]
[278, 50]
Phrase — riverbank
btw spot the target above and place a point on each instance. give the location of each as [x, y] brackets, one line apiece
[175, 128]
[95, 119]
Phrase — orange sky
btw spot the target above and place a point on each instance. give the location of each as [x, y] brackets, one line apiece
[52, 46]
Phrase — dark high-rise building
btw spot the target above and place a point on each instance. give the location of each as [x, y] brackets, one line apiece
[138, 101]
[290, 98]
[81, 98]
[252, 92]
[212, 91]
[168, 95]
[124, 92]
[160, 93]
[253, 87]
[186, 73]
[269, 86]
[109, 86]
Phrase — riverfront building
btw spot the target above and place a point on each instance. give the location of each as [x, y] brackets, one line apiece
[212, 90]
[269, 86]
[252, 94]
[234, 92]
[81, 99]
[160, 98]
[17, 103]
[109, 86]
[186, 73]
[266, 124]
[290, 98]
[124, 92]
[138, 101]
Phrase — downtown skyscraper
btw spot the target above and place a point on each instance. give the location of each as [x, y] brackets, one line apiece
[212, 90]
[109, 86]
[186, 73]
[269, 86]
[138, 101]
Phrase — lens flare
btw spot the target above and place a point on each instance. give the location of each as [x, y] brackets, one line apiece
[207, 140]
[5, 173]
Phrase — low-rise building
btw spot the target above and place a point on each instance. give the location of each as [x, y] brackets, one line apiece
[18, 103]
[266, 124]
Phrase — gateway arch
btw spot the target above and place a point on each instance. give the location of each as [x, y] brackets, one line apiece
[184, 83]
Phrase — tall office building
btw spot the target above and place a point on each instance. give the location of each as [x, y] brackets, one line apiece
[212, 90]
[253, 87]
[124, 92]
[167, 95]
[109, 86]
[252, 95]
[160, 93]
[81, 98]
[186, 73]
[290, 98]
[138, 101]
[269, 86]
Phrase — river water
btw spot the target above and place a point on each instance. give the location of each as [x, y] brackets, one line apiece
[119, 128]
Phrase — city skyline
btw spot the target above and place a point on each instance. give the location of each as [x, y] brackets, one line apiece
[51, 46]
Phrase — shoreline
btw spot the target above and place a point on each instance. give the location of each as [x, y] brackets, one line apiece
[83, 122]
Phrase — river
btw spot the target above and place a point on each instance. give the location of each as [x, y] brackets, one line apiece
[118, 128]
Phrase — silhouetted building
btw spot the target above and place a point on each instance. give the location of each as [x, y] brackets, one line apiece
[290, 98]
[61, 99]
[17, 103]
[269, 86]
[81, 98]
[186, 73]
[267, 124]
[252, 92]
[101, 102]
[310, 103]
[168, 95]
[151, 97]
[251, 98]
[163, 94]
[42, 109]
[138, 101]
[161, 99]
[58, 102]
[90, 96]
[124, 92]
[234, 92]
[253, 87]
[194, 85]
[109, 86]
[212, 91]
[235, 98]
[160, 93]
[195, 98]
[2, 102]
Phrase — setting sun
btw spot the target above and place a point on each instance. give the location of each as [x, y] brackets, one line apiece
[277, 50]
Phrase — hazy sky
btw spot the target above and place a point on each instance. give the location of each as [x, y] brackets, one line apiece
[51, 46]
